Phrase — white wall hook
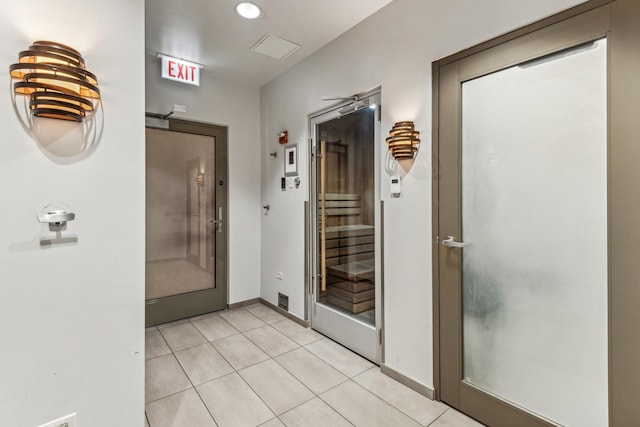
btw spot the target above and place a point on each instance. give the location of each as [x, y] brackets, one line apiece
[56, 215]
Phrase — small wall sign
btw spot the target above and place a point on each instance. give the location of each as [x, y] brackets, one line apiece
[180, 70]
[291, 160]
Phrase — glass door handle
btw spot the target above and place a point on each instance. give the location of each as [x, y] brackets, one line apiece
[450, 242]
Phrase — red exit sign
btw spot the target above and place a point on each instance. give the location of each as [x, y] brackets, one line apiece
[180, 70]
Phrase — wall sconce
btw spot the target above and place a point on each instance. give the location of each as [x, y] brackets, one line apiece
[57, 81]
[403, 140]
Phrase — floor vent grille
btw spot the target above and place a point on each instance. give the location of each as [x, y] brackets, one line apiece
[283, 301]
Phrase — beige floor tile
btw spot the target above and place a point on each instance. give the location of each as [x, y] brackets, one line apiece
[298, 333]
[317, 375]
[264, 313]
[203, 363]
[164, 376]
[154, 344]
[182, 336]
[277, 387]
[180, 410]
[232, 402]
[453, 418]
[271, 341]
[242, 320]
[363, 408]
[215, 327]
[415, 405]
[314, 413]
[239, 351]
[273, 423]
[339, 357]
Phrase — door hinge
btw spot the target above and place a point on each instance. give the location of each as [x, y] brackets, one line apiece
[379, 112]
[437, 240]
[380, 336]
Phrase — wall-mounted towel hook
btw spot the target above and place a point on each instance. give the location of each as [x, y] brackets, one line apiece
[56, 215]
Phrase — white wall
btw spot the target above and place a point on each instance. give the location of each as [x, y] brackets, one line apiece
[72, 316]
[393, 48]
[237, 106]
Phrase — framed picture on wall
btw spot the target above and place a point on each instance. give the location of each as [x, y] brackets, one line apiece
[291, 160]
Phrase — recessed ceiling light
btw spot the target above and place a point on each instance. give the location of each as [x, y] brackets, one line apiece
[248, 10]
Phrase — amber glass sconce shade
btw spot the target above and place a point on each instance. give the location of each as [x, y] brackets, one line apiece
[56, 80]
[403, 140]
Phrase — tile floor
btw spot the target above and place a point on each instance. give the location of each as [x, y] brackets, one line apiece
[254, 367]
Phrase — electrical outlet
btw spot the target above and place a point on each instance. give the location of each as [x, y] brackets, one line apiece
[68, 421]
[279, 275]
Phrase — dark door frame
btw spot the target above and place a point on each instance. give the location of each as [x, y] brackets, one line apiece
[624, 201]
[190, 304]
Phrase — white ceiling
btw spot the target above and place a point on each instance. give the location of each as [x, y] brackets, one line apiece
[209, 32]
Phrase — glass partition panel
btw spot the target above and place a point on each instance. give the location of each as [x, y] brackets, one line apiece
[180, 213]
[346, 214]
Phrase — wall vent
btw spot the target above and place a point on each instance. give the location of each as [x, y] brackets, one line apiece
[275, 47]
[283, 301]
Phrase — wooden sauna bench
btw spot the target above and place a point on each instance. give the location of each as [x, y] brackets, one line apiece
[351, 267]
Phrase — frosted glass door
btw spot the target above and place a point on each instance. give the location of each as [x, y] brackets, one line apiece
[534, 212]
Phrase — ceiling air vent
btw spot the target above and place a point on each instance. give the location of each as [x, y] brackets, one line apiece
[275, 47]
